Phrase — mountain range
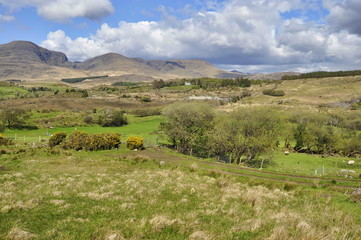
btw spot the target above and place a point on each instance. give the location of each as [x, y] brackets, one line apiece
[22, 60]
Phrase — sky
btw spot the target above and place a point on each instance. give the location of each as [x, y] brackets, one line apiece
[250, 36]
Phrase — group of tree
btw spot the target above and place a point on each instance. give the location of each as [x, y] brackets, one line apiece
[322, 74]
[249, 132]
[204, 83]
[244, 133]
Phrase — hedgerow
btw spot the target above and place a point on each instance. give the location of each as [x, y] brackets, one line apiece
[92, 142]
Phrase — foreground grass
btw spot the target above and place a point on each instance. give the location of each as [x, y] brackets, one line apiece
[106, 195]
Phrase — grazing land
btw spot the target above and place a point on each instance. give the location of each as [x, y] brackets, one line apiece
[239, 164]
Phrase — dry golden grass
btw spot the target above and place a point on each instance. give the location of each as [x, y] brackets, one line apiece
[111, 198]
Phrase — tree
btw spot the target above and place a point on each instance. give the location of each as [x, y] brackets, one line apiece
[186, 124]
[13, 118]
[245, 132]
[157, 84]
[112, 118]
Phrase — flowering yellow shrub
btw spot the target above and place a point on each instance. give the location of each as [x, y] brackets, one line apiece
[135, 143]
[56, 139]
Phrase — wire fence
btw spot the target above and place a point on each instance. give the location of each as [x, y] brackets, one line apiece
[338, 168]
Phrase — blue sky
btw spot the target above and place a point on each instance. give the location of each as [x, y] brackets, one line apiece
[247, 35]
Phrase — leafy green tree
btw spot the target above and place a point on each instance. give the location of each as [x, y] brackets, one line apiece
[186, 124]
[112, 118]
[13, 118]
[245, 132]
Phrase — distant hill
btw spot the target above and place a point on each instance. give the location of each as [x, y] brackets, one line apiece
[272, 76]
[26, 61]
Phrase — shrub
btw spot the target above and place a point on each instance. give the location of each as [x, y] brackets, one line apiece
[92, 142]
[111, 140]
[77, 141]
[112, 118]
[145, 99]
[95, 142]
[88, 119]
[5, 141]
[273, 92]
[134, 143]
[56, 139]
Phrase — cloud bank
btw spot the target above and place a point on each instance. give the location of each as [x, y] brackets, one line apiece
[249, 35]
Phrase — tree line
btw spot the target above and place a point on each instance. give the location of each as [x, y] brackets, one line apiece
[247, 133]
[204, 83]
[322, 74]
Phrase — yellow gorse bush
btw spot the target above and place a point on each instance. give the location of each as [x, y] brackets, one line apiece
[135, 143]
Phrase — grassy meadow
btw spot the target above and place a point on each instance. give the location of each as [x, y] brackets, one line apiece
[159, 193]
[122, 195]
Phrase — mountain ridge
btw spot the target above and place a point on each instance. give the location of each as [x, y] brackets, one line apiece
[27, 61]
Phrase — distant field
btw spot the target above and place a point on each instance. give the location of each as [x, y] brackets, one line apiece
[7, 92]
[310, 164]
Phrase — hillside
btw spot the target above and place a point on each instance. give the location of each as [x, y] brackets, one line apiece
[26, 61]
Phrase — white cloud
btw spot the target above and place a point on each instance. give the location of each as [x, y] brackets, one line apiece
[345, 15]
[6, 18]
[62, 10]
[241, 33]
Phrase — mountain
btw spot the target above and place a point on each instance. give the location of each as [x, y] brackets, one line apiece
[26, 61]
[22, 51]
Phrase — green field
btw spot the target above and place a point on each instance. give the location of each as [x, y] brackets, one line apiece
[144, 127]
[310, 164]
[9, 92]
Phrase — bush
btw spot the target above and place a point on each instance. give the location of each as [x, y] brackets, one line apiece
[77, 141]
[88, 119]
[145, 99]
[273, 92]
[135, 143]
[111, 140]
[112, 118]
[92, 142]
[56, 139]
[5, 141]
